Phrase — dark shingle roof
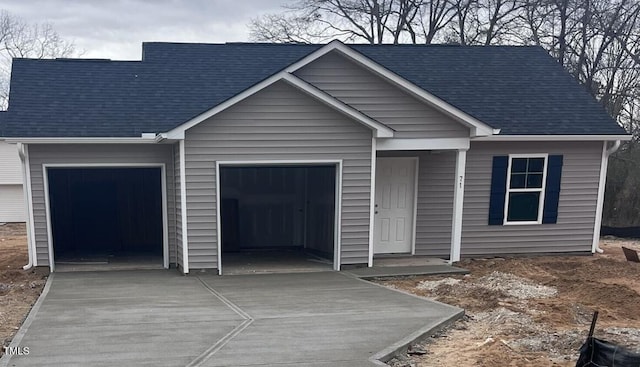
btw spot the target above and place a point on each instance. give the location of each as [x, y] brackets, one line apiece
[520, 90]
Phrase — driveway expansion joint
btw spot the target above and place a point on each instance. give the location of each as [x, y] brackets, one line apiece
[248, 320]
[319, 319]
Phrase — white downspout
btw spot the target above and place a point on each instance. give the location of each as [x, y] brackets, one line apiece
[603, 181]
[25, 191]
[614, 148]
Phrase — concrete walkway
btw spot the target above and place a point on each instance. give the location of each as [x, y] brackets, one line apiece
[159, 318]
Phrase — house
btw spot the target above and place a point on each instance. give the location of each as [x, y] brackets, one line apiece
[12, 208]
[200, 152]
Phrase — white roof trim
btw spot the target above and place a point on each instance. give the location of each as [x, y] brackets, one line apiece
[478, 128]
[380, 130]
[71, 140]
[423, 144]
[553, 137]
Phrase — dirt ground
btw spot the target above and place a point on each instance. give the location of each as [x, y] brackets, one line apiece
[519, 311]
[19, 289]
[531, 311]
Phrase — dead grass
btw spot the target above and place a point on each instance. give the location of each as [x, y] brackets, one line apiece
[516, 318]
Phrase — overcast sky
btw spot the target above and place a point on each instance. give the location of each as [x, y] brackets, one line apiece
[115, 29]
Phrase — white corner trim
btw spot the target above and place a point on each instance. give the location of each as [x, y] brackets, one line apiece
[337, 261]
[478, 128]
[552, 137]
[45, 178]
[218, 219]
[165, 217]
[183, 209]
[423, 144]
[337, 240]
[604, 165]
[163, 183]
[458, 206]
[372, 200]
[32, 227]
[23, 151]
[416, 184]
[380, 129]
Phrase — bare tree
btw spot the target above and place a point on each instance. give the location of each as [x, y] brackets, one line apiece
[434, 16]
[20, 39]
[597, 41]
[484, 22]
[285, 28]
[370, 21]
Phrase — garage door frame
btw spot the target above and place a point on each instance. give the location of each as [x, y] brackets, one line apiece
[283, 163]
[163, 182]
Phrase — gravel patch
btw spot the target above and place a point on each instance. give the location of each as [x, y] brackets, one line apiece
[624, 336]
[515, 286]
[4, 288]
[563, 345]
[507, 284]
[431, 285]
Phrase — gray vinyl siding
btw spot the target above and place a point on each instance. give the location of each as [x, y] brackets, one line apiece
[92, 154]
[379, 99]
[435, 200]
[576, 210]
[277, 123]
[178, 206]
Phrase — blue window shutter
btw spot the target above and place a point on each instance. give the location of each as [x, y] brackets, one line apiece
[498, 190]
[552, 190]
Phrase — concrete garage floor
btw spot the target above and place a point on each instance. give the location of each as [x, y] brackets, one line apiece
[269, 262]
[160, 318]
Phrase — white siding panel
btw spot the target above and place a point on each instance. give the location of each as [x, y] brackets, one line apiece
[12, 204]
[90, 154]
[278, 123]
[576, 209]
[379, 99]
[10, 166]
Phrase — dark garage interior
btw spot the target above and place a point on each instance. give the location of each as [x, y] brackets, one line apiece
[277, 217]
[105, 215]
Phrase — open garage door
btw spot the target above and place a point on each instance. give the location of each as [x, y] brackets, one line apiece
[106, 215]
[278, 217]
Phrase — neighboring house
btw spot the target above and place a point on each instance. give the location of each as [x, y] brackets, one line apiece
[349, 151]
[12, 205]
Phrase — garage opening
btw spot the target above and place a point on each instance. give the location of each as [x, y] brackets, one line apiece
[106, 216]
[277, 218]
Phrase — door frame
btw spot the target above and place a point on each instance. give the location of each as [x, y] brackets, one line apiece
[416, 160]
[337, 246]
[163, 187]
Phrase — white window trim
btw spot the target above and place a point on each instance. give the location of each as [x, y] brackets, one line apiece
[541, 190]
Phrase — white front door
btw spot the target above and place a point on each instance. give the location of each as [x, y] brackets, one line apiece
[394, 205]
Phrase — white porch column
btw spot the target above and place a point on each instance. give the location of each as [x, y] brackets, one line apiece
[183, 208]
[458, 199]
[372, 208]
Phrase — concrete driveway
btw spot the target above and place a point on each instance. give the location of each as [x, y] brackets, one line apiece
[160, 318]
